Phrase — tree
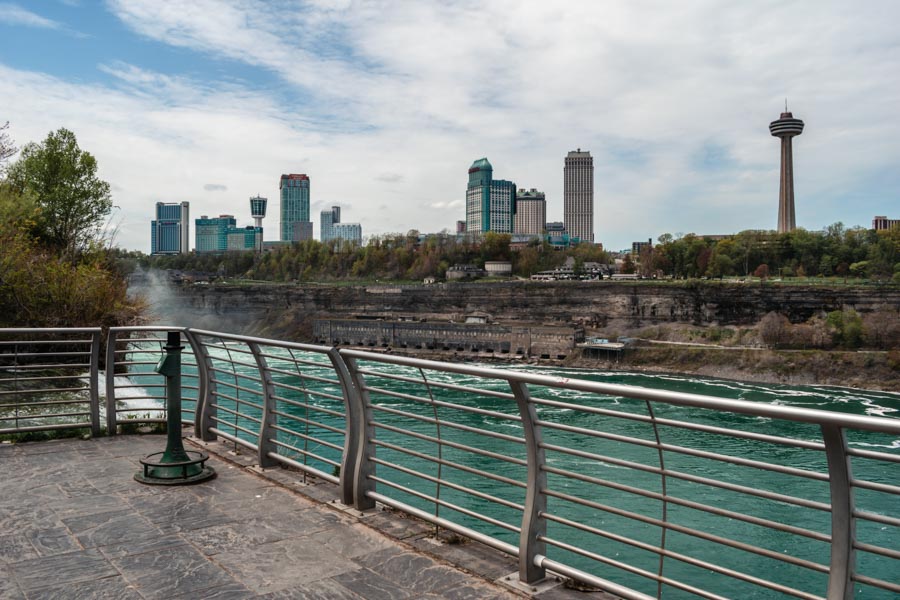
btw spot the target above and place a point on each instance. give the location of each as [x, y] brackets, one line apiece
[762, 271]
[7, 148]
[62, 179]
[773, 329]
[846, 328]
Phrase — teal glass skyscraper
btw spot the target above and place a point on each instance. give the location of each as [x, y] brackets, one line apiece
[294, 192]
[211, 234]
[490, 203]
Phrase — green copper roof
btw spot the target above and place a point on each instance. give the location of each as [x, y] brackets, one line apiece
[482, 163]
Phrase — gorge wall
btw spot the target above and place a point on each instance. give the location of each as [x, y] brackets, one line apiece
[289, 310]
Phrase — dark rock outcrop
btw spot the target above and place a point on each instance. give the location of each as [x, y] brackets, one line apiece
[276, 309]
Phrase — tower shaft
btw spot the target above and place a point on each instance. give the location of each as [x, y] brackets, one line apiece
[786, 220]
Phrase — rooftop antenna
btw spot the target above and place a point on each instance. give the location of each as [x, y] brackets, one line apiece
[785, 104]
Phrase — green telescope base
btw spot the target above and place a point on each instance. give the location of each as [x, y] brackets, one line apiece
[167, 472]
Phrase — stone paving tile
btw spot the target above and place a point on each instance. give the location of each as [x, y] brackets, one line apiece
[172, 513]
[396, 524]
[372, 586]
[412, 570]
[234, 536]
[141, 546]
[103, 529]
[65, 508]
[78, 487]
[108, 588]
[280, 565]
[24, 514]
[473, 557]
[72, 567]
[323, 589]
[353, 540]
[8, 450]
[473, 592]
[9, 589]
[230, 591]
[16, 548]
[50, 541]
[172, 571]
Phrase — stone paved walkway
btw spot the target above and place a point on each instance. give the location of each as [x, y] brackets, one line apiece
[74, 524]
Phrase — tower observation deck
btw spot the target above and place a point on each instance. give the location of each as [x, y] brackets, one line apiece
[786, 127]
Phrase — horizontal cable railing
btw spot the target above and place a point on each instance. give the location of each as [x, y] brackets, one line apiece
[135, 392]
[640, 492]
[282, 400]
[49, 379]
[641, 488]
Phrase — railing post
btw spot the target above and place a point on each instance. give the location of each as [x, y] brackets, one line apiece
[95, 383]
[111, 424]
[201, 379]
[364, 468]
[354, 425]
[534, 525]
[268, 415]
[206, 408]
[843, 526]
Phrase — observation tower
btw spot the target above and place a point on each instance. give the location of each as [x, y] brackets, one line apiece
[258, 211]
[786, 127]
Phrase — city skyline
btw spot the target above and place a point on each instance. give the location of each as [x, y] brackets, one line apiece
[209, 101]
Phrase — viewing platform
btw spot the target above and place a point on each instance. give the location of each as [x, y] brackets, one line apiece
[76, 524]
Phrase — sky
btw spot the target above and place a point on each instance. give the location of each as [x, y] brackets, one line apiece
[385, 105]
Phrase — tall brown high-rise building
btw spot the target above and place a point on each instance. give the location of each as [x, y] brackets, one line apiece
[578, 195]
[531, 212]
[786, 127]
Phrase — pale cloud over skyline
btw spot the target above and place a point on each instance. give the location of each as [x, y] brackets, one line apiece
[385, 106]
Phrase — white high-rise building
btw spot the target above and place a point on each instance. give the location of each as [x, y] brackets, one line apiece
[327, 220]
[578, 195]
[347, 232]
[531, 212]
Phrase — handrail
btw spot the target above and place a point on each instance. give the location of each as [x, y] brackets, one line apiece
[804, 415]
[552, 470]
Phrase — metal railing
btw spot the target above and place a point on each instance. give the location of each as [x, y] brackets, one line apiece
[49, 379]
[641, 492]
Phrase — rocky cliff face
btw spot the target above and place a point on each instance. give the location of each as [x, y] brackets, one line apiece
[277, 309]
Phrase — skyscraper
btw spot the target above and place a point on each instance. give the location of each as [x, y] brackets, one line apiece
[211, 234]
[242, 239]
[294, 191]
[327, 220]
[347, 232]
[531, 212]
[490, 203]
[169, 233]
[578, 195]
[786, 127]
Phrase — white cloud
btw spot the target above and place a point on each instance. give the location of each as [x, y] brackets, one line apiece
[12, 14]
[397, 99]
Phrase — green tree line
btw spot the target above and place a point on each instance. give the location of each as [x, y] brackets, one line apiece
[54, 268]
[388, 257]
[835, 252]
